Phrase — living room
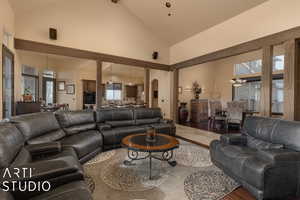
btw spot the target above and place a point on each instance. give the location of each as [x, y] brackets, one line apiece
[124, 99]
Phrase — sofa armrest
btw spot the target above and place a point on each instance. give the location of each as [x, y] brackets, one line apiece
[234, 139]
[168, 121]
[103, 126]
[44, 148]
[279, 155]
[37, 171]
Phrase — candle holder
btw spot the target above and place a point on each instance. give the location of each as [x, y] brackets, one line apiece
[151, 135]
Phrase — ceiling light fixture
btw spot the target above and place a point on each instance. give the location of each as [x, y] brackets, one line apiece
[237, 82]
[168, 5]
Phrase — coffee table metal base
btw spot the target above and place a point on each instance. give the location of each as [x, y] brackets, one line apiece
[165, 156]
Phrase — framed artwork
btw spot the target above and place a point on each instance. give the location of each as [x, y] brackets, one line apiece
[70, 89]
[61, 85]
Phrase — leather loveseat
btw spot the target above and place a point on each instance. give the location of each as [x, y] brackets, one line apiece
[264, 159]
[55, 146]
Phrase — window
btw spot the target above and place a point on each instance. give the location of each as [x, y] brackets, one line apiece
[250, 67]
[49, 92]
[249, 91]
[255, 66]
[114, 91]
[30, 81]
[277, 95]
[278, 63]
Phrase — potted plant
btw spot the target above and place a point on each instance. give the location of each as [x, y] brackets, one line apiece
[27, 96]
[196, 89]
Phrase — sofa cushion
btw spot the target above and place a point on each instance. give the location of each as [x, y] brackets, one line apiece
[84, 142]
[39, 124]
[120, 114]
[147, 121]
[260, 144]
[74, 122]
[260, 127]
[11, 142]
[115, 135]
[80, 128]
[253, 171]
[103, 115]
[288, 134]
[49, 137]
[67, 151]
[120, 123]
[232, 157]
[102, 127]
[146, 113]
[22, 158]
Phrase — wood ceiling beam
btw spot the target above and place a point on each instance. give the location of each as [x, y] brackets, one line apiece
[78, 53]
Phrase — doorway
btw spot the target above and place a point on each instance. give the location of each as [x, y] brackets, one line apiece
[154, 91]
[7, 82]
[49, 92]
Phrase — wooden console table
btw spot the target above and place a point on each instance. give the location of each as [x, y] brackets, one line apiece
[199, 110]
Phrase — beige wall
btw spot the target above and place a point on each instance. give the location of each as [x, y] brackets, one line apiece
[7, 25]
[268, 18]
[96, 25]
[164, 91]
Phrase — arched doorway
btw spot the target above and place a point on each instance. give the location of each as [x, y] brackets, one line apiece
[154, 92]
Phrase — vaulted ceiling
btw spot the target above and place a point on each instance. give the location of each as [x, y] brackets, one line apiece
[188, 17]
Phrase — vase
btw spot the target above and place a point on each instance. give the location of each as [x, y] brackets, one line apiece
[151, 135]
[183, 113]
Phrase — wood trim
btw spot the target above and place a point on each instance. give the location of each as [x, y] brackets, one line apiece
[78, 53]
[192, 141]
[147, 87]
[297, 83]
[99, 88]
[174, 92]
[246, 47]
[289, 80]
[266, 82]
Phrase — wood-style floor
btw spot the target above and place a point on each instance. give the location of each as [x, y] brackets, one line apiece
[238, 194]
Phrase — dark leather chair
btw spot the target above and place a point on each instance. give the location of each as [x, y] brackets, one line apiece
[264, 159]
[13, 155]
[81, 133]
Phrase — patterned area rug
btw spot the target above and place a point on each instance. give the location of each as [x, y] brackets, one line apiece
[193, 178]
[208, 183]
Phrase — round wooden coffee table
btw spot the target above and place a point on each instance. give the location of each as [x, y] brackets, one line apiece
[164, 144]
